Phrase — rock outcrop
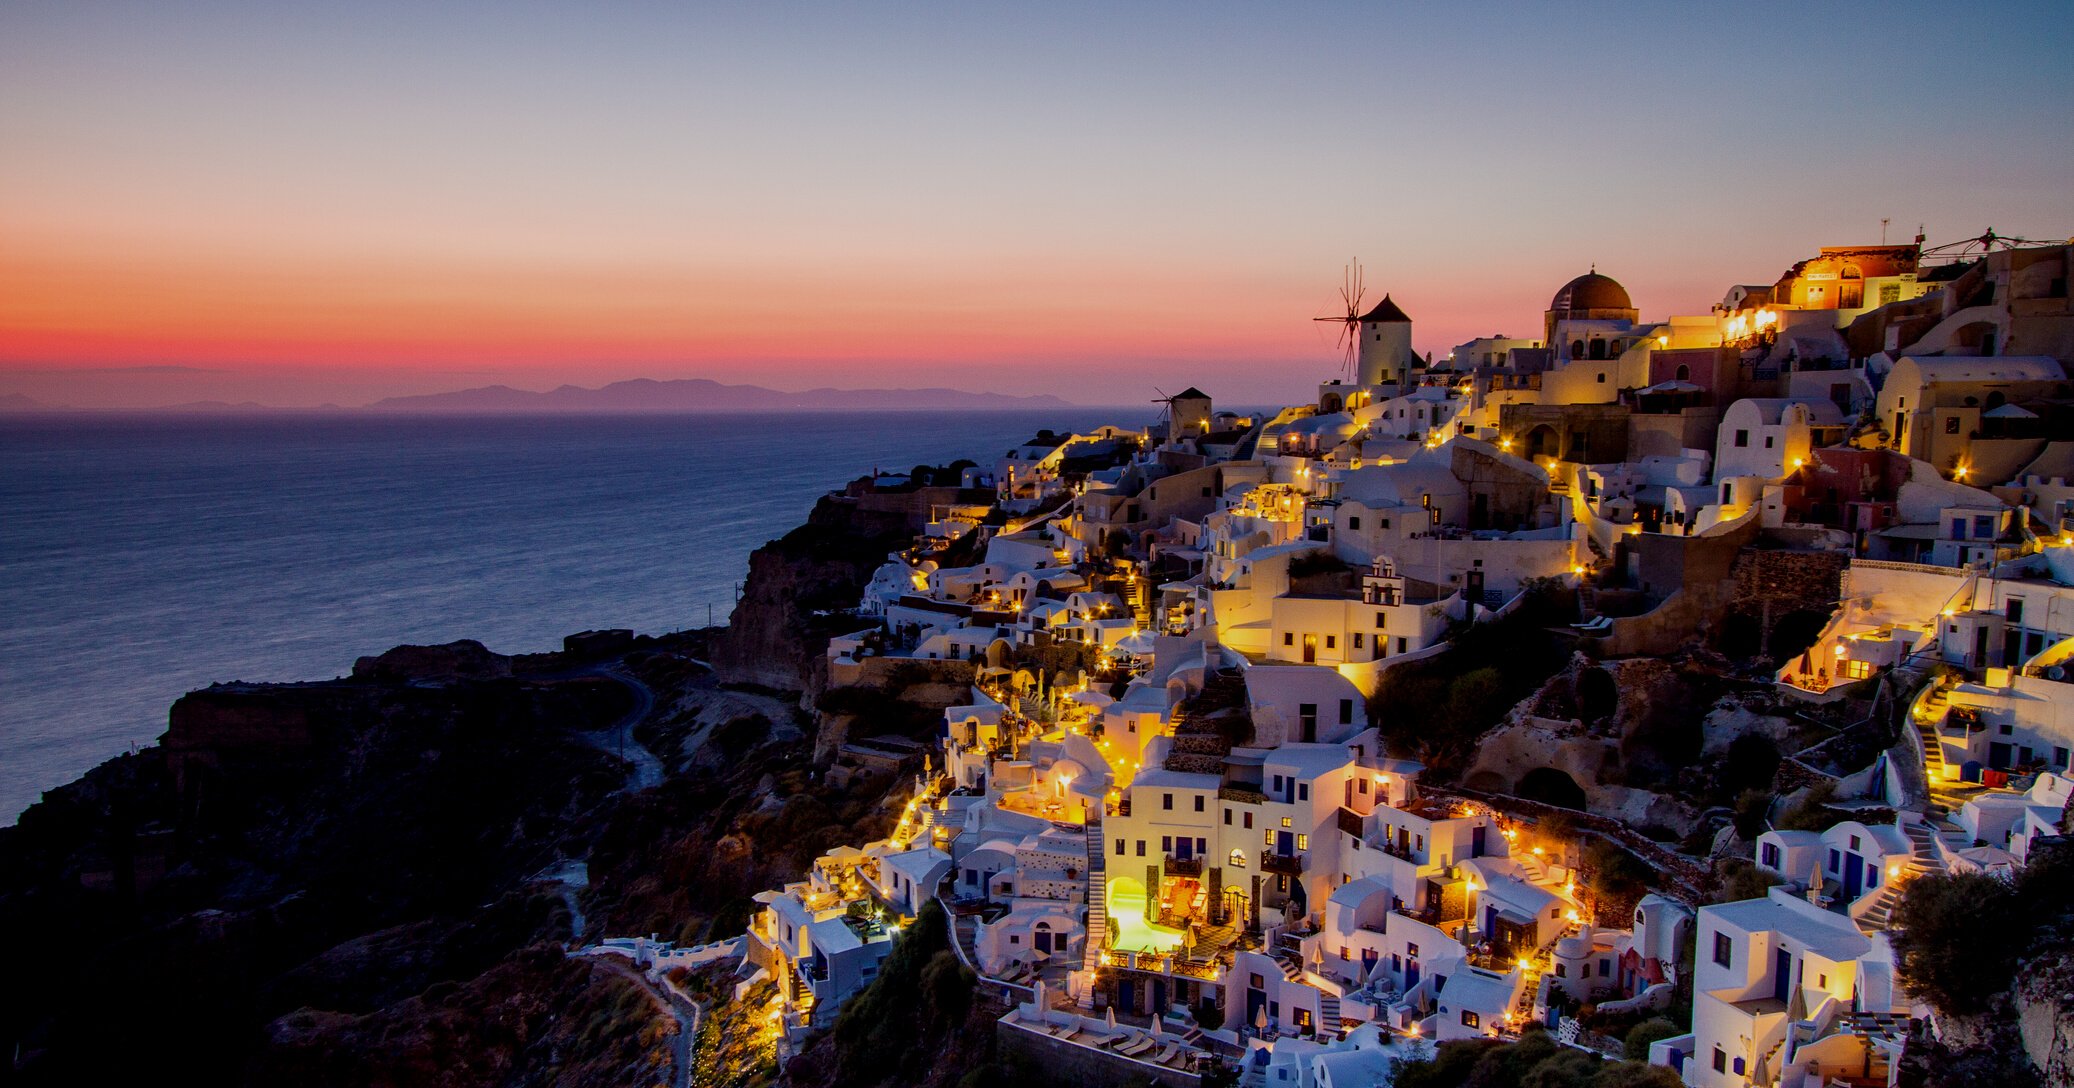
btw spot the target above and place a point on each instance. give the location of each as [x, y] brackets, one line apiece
[799, 593]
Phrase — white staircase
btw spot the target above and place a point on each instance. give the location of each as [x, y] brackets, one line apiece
[1097, 897]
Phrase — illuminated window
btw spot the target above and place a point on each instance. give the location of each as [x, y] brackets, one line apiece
[1857, 670]
[1237, 859]
[1285, 822]
[1303, 842]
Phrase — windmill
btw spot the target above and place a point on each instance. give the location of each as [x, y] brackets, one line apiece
[1350, 293]
[1166, 411]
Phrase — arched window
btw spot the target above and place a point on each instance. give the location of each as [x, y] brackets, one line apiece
[1684, 372]
[1237, 859]
[1577, 349]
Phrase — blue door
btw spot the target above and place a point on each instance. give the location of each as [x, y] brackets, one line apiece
[1285, 843]
[1411, 973]
[1127, 996]
[1854, 876]
[1184, 848]
[1256, 1000]
[1782, 982]
[1368, 958]
[1476, 842]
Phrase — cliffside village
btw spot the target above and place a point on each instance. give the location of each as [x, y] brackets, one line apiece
[1876, 446]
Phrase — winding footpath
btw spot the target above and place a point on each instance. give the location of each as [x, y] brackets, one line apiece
[618, 738]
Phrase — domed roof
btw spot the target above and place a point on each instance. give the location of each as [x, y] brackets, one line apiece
[1592, 291]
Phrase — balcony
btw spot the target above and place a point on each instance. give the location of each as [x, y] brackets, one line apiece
[1242, 795]
[1184, 866]
[1288, 864]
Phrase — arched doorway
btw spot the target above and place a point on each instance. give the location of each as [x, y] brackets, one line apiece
[1552, 787]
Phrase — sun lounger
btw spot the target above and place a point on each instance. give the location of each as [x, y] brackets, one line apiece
[1166, 1054]
[1136, 1046]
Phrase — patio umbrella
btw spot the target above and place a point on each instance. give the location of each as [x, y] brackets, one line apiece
[1111, 1018]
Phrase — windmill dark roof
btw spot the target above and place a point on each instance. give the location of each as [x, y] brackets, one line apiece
[1191, 393]
[1386, 311]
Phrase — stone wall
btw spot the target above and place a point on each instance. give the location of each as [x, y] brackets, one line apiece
[1082, 1066]
[1787, 581]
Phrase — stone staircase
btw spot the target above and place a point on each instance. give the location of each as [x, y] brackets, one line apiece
[1329, 1018]
[1927, 714]
[1587, 602]
[1200, 745]
[1291, 963]
[966, 930]
[1097, 897]
[1922, 838]
[1762, 1075]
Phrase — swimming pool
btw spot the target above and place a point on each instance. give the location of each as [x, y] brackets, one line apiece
[1127, 919]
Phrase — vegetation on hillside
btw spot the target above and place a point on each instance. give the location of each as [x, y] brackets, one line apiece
[1536, 1061]
[1435, 708]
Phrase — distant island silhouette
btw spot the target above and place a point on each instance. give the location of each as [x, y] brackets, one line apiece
[635, 395]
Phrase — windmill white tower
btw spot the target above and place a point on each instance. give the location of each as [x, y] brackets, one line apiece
[1386, 355]
[1377, 343]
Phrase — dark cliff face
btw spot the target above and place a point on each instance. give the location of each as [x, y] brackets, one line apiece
[345, 882]
[779, 633]
[342, 844]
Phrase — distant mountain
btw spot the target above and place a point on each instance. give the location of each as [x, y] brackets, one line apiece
[701, 395]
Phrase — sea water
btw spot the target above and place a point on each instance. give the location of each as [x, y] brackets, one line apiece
[144, 556]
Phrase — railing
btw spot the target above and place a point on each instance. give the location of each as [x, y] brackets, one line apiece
[1290, 864]
[1242, 795]
[1184, 866]
[1922, 568]
[1402, 853]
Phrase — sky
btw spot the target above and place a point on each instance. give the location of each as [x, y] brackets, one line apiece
[301, 203]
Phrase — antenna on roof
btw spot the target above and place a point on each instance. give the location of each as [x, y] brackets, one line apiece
[1883, 230]
[1350, 293]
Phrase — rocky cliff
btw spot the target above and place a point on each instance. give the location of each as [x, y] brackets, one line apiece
[352, 882]
[799, 593]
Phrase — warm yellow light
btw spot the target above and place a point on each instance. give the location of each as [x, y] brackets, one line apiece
[1524, 963]
[1663, 341]
[1799, 461]
[1577, 570]
[1537, 851]
[1960, 472]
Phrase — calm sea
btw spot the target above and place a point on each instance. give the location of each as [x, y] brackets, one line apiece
[144, 556]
